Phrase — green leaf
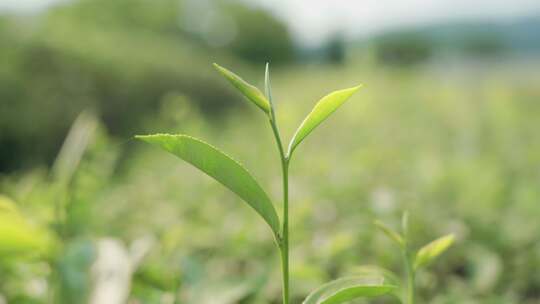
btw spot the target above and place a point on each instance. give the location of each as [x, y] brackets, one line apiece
[326, 106]
[349, 288]
[432, 250]
[248, 90]
[221, 167]
[390, 233]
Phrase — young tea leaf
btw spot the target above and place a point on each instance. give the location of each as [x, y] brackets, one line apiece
[432, 250]
[222, 168]
[326, 106]
[248, 90]
[390, 233]
[268, 91]
[349, 288]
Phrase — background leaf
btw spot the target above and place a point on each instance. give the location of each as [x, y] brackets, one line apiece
[326, 106]
[390, 233]
[248, 90]
[432, 250]
[350, 288]
[221, 167]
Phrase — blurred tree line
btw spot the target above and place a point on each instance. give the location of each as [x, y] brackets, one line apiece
[406, 48]
[120, 58]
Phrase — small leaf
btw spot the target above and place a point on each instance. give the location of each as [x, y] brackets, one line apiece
[390, 233]
[349, 288]
[405, 224]
[248, 90]
[222, 168]
[326, 106]
[372, 270]
[432, 250]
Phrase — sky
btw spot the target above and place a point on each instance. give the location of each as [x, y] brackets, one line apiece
[24, 6]
[312, 21]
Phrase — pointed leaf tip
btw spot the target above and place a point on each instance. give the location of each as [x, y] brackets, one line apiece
[431, 251]
[324, 108]
[222, 168]
[249, 91]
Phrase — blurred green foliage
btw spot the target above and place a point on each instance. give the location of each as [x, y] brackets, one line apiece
[461, 158]
[121, 58]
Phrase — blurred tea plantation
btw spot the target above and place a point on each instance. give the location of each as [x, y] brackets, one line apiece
[447, 129]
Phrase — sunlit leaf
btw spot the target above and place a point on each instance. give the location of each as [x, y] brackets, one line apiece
[390, 233]
[18, 237]
[432, 250]
[326, 106]
[248, 90]
[221, 167]
[349, 288]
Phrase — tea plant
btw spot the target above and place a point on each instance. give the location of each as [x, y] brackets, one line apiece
[413, 260]
[234, 176]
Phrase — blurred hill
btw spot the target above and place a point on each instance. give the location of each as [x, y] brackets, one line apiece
[477, 39]
[121, 58]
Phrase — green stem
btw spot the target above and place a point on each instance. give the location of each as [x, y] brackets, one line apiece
[284, 239]
[411, 277]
